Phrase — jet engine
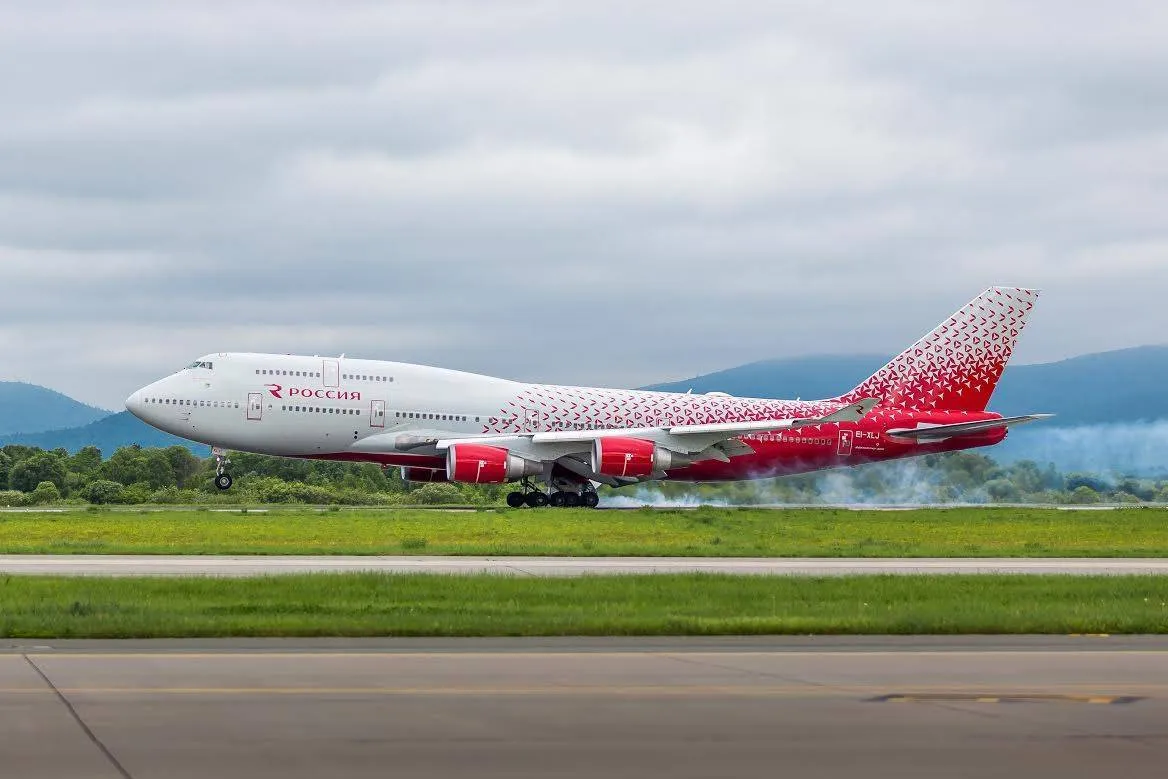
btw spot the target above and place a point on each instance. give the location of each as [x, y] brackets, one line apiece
[632, 458]
[423, 475]
[480, 464]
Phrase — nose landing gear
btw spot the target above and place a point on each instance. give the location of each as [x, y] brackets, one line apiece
[223, 479]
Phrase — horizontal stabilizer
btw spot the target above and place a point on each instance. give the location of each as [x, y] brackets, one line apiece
[928, 433]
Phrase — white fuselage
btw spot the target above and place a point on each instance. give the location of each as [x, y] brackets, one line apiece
[316, 407]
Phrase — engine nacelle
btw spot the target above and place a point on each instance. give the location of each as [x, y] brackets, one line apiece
[423, 475]
[480, 464]
[632, 458]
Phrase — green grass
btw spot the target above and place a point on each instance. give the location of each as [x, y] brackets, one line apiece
[420, 605]
[962, 532]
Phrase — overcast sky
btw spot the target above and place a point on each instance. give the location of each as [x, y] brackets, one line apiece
[587, 192]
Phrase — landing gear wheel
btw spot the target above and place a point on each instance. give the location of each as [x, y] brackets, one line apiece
[222, 478]
[590, 500]
[536, 499]
[558, 499]
[571, 500]
[515, 499]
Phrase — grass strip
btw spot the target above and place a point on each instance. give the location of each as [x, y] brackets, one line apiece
[695, 604]
[956, 532]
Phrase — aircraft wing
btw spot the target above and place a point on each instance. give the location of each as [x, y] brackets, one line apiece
[929, 433]
[715, 441]
[685, 439]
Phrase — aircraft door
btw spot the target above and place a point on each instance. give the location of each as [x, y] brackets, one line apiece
[846, 438]
[331, 373]
[255, 406]
[377, 414]
[531, 419]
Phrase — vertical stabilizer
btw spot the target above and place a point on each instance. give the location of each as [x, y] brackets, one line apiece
[957, 366]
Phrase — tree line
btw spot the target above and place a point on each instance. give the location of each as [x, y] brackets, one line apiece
[134, 475]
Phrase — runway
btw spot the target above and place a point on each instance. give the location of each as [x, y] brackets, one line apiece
[196, 565]
[677, 708]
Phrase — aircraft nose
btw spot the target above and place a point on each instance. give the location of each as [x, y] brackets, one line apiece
[135, 404]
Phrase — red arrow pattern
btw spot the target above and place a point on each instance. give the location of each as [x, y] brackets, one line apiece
[953, 368]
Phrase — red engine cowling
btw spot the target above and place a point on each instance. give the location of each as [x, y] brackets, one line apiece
[423, 475]
[632, 457]
[479, 464]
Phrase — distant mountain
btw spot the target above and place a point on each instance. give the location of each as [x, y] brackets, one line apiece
[1128, 385]
[108, 434]
[1120, 386]
[809, 378]
[27, 408]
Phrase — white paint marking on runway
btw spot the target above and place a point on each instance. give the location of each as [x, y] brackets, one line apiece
[206, 565]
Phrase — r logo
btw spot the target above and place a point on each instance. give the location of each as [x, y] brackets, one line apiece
[275, 389]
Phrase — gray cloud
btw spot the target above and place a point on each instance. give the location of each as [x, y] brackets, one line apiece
[577, 192]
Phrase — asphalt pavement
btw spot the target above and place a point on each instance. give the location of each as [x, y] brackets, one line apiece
[208, 565]
[660, 707]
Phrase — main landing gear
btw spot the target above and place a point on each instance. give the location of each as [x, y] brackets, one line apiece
[533, 497]
[223, 479]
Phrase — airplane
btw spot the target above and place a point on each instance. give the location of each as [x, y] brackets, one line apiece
[441, 425]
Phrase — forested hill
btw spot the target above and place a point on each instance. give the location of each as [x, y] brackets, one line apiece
[27, 408]
[108, 435]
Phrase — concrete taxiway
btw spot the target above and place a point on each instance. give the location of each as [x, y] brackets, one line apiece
[160, 565]
[659, 707]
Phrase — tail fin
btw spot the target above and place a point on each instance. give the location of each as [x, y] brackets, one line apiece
[957, 366]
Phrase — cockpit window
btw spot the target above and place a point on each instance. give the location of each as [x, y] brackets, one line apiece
[201, 364]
